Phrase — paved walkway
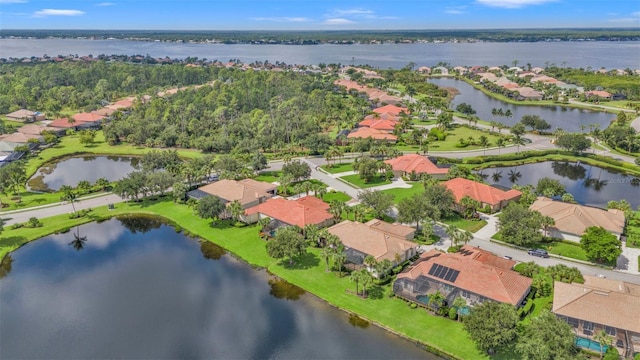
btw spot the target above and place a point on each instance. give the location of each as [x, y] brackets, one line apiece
[636, 124]
[628, 261]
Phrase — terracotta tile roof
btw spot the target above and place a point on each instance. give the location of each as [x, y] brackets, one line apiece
[32, 129]
[382, 116]
[371, 92]
[575, 219]
[391, 109]
[528, 92]
[371, 240]
[511, 86]
[87, 117]
[260, 185]
[386, 125]
[476, 276]
[300, 212]
[599, 93]
[478, 191]
[601, 301]
[105, 111]
[61, 123]
[365, 132]
[18, 137]
[485, 257]
[22, 113]
[400, 230]
[415, 163]
[122, 104]
[231, 190]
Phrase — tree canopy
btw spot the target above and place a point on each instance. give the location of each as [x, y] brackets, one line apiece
[491, 325]
[546, 338]
[519, 225]
[600, 245]
[288, 243]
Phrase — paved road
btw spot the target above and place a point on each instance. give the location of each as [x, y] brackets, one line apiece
[636, 124]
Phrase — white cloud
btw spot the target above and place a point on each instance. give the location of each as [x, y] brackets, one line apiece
[632, 18]
[348, 14]
[105, 4]
[57, 12]
[512, 4]
[455, 10]
[338, 21]
[282, 19]
[353, 12]
[13, 1]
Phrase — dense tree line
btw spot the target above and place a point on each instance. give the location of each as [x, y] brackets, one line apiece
[243, 112]
[626, 84]
[86, 85]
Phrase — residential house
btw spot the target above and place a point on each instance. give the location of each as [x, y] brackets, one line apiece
[376, 238]
[572, 220]
[598, 94]
[527, 93]
[88, 120]
[8, 153]
[381, 116]
[20, 138]
[391, 109]
[424, 70]
[300, 212]
[601, 304]
[471, 273]
[375, 134]
[24, 115]
[32, 129]
[406, 165]
[247, 192]
[487, 195]
[379, 124]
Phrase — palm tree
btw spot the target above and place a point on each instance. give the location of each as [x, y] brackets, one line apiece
[500, 143]
[355, 277]
[366, 278]
[102, 183]
[436, 300]
[459, 303]
[603, 340]
[339, 258]
[235, 209]
[519, 140]
[370, 262]
[452, 232]
[312, 233]
[484, 143]
[68, 195]
[325, 254]
[336, 207]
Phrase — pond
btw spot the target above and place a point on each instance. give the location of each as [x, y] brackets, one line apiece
[589, 185]
[69, 171]
[568, 119]
[136, 289]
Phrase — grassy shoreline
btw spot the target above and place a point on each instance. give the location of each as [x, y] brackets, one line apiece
[439, 335]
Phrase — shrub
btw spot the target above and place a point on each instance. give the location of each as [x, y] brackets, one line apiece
[453, 313]
[413, 305]
[16, 226]
[33, 223]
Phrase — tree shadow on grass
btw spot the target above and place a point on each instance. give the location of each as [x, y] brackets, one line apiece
[13, 241]
[302, 262]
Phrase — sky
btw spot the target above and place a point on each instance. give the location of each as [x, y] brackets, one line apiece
[316, 14]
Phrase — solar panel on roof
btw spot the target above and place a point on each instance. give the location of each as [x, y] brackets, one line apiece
[455, 276]
[433, 269]
[448, 275]
[442, 271]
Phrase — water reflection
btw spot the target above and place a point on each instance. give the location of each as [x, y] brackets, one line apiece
[154, 295]
[281, 289]
[78, 240]
[590, 185]
[569, 119]
[357, 321]
[5, 266]
[211, 251]
[140, 223]
[72, 170]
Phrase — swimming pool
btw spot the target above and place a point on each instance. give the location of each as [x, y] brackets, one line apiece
[590, 344]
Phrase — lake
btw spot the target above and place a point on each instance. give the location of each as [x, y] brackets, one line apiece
[589, 185]
[585, 54]
[70, 171]
[138, 290]
[569, 119]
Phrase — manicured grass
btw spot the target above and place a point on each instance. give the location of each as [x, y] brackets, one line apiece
[30, 199]
[357, 182]
[568, 250]
[336, 195]
[70, 145]
[337, 168]
[308, 273]
[268, 176]
[464, 224]
[633, 230]
[462, 132]
[401, 193]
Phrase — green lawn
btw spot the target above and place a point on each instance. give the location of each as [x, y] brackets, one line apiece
[338, 168]
[568, 250]
[30, 199]
[462, 132]
[336, 195]
[464, 224]
[308, 273]
[401, 193]
[269, 176]
[359, 183]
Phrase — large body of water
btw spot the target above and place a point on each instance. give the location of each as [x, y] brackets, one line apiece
[596, 54]
[568, 119]
[72, 170]
[139, 290]
[589, 185]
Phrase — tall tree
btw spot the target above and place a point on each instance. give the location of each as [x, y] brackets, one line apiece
[68, 194]
[288, 243]
[491, 325]
[519, 225]
[378, 201]
[210, 207]
[600, 245]
[546, 338]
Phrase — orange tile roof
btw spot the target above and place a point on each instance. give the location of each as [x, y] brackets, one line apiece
[599, 93]
[122, 104]
[478, 191]
[371, 240]
[391, 109]
[618, 301]
[87, 117]
[300, 212]
[365, 132]
[476, 276]
[575, 219]
[386, 125]
[382, 116]
[396, 229]
[61, 123]
[415, 163]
